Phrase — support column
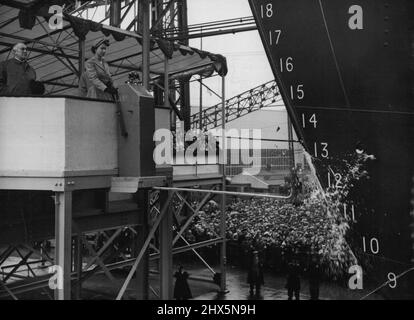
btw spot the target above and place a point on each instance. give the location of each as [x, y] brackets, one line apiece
[200, 107]
[142, 273]
[63, 249]
[223, 253]
[81, 57]
[78, 267]
[291, 146]
[167, 91]
[165, 234]
[144, 29]
[115, 13]
[184, 84]
[165, 229]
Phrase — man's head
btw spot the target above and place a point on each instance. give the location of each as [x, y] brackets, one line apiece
[20, 51]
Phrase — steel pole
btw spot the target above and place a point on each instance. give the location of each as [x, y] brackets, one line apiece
[223, 258]
[145, 17]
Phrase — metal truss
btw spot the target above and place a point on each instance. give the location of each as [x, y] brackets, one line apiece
[181, 224]
[79, 7]
[110, 250]
[165, 13]
[254, 99]
[174, 205]
[88, 9]
[21, 263]
[166, 17]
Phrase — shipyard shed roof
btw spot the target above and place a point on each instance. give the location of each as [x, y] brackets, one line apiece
[54, 54]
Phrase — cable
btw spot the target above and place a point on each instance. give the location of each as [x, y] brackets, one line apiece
[334, 55]
[387, 282]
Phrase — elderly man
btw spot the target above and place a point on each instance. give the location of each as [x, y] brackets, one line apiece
[17, 77]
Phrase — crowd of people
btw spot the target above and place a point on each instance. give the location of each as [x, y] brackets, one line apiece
[265, 225]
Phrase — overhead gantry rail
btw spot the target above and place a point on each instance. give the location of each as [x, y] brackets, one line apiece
[213, 28]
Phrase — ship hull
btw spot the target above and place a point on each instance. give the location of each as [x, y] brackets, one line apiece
[345, 71]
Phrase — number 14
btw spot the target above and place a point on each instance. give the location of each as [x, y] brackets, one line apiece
[312, 120]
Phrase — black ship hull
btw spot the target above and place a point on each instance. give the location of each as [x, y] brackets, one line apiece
[345, 70]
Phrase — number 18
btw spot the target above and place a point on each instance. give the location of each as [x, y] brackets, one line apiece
[266, 10]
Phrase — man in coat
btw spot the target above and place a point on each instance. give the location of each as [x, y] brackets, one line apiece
[314, 274]
[17, 77]
[182, 289]
[255, 275]
[293, 280]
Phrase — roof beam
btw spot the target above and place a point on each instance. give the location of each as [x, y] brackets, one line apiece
[28, 40]
[52, 52]
[8, 22]
[15, 4]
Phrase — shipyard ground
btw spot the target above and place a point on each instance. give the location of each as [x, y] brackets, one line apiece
[202, 287]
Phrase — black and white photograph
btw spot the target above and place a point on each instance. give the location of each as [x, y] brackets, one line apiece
[208, 156]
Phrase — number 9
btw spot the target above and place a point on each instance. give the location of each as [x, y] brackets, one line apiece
[393, 280]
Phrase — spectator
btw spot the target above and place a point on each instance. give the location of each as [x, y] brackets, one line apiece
[293, 280]
[255, 275]
[182, 289]
[314, 279]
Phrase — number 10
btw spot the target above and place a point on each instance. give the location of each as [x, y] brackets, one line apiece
[374, 245]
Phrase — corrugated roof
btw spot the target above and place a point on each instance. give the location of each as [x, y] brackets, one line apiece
[54, 53]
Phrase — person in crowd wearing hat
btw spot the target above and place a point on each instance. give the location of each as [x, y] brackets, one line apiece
[255, 275]
[97, 81]
[293, 280]
[182, 289]
[17, 77]
[314, 274]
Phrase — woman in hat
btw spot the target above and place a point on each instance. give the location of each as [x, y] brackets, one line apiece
[97, 78]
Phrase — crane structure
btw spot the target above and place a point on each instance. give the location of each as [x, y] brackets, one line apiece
[240, 105]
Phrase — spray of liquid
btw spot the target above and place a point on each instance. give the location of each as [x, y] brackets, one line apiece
[343, 174]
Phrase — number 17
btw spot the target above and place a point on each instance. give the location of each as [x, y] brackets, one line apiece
[278, 33]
